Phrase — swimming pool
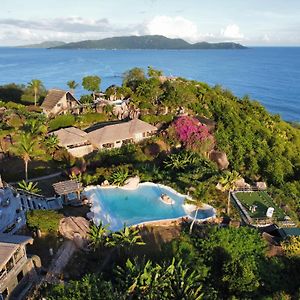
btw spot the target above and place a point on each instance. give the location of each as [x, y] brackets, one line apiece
[117, 206]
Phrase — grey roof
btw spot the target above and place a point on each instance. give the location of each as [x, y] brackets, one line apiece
[15, 239]
[118, 132]
[71, 136]
[9, 244]
[53, 97]
[67, 187]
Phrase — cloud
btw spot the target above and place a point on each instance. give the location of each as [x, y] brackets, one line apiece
[176, 27]
[70, 24]
[232, 32]
[72, 29]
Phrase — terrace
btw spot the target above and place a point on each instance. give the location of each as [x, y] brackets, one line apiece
[253, 206]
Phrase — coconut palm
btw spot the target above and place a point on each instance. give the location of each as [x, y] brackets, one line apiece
[26, 149]
[72, 84]
[35, 85]
[29, 187]
[97, 235]
[228, 183]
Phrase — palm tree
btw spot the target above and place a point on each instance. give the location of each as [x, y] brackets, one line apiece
[29, 187]
[98, 235]
[180, 161]
[51, 143]
[26, 149]
[34, 127]
[72, 84]
[228, 182]
[203, 195]
[35, 85]
[119, 176]
[126, 238]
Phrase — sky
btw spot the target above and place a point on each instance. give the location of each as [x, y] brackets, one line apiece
[252, 23]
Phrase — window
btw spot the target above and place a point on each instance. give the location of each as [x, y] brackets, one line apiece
[58, 104]
[108, 145]
[2, 273]
[10, 265]
[20, 276]
[18, 254]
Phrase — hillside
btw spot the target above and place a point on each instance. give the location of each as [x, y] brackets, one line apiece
[48, 44]
[146, 42]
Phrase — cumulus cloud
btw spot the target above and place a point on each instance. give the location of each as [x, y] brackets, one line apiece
[176, 27]
[232, 32]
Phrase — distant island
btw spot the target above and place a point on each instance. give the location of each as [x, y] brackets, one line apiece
[145, 42]
[48, 44]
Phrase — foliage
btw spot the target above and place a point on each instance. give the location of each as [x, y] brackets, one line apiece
[35, 85]
[133, 78]
[89, 287]
[61, 121]
[154, 281]
[190, 132]
[154, 119]
[119, 176]
[35, 127]
[90, 118]
[125, 239]
[45, 220]
[27, 148]
[291, 246]
[51, 142]
[234, 256]
[98, 235]
[86, 99]
[91, 83]
[72, 84]
[29, 187]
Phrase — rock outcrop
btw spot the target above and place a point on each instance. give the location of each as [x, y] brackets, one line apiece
[220, 158]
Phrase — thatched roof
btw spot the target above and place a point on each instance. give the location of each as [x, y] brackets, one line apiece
[9, 244]
[71, 136]
[53, 97]
[118, 132]
[67, 187]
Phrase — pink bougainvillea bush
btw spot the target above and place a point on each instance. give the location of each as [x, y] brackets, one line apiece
[192, 134]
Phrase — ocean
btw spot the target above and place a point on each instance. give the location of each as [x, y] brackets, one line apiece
[269, 75]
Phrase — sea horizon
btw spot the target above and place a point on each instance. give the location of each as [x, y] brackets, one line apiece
[267, 74]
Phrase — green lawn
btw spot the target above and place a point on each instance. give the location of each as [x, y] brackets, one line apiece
[262, 200]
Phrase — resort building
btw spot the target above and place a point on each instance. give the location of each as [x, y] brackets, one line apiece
[17, 271]
[74, 140]
[114, 136]
[59, 102]
[14, 203]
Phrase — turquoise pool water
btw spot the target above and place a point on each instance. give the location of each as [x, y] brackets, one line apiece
[118, 206]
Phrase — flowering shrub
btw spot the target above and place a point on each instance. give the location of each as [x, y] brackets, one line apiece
[191, 132]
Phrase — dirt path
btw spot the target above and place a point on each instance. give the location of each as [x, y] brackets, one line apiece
[41, 177]
[60, 260]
